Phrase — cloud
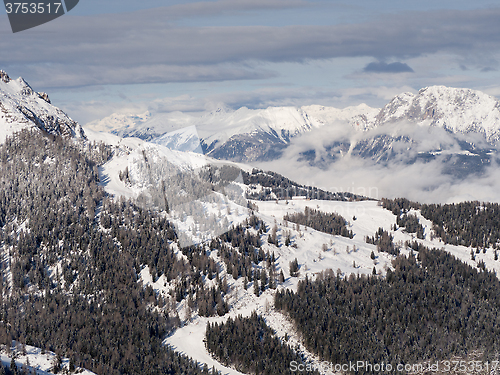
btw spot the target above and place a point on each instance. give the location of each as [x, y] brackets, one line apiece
[84, 50]
[422, 182]
[74, 75]
[204, 8]
[190, 9]
[383, 67]
[488, 69]
[425, 182]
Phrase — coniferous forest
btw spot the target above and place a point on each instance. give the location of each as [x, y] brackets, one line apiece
[330, 223]
[473, 224]
[276, 186]
[74, 289]
[431, 306]
[250, 346]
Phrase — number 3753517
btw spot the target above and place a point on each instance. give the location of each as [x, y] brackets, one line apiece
[33, 8]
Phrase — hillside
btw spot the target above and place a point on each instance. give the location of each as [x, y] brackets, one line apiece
[120, 255]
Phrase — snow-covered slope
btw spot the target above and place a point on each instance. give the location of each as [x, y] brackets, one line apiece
[22, 107]
[343, 255]
[168, 179]
[117, 121]
[35, 359]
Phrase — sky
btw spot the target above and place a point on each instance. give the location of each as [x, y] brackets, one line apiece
[124, 56]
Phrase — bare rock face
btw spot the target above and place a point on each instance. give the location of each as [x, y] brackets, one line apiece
[44, 96]
[4, 77]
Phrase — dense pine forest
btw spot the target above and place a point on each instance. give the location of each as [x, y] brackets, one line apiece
[431, 306]
[74, 286]
[250, 346]
[384, 242]
[473, 224]
[276, 186]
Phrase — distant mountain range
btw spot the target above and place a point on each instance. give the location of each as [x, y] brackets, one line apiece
[241, 135]
[460, 127]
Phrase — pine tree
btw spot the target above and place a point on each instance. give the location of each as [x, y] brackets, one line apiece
[294, 268]
[256, 288]
[281, 277]
[13, 366]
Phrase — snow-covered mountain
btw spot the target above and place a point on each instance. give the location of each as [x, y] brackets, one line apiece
[459, 126]
[454, 109]
[241, 135]
[203, 198]
[22, 107]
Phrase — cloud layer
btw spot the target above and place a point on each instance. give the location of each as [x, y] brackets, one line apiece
[147, 46]
[422, 181]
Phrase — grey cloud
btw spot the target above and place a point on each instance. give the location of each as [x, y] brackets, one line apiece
[190, 9]
[383, 67]
[69, 75]
[204, 8]
[132, 42]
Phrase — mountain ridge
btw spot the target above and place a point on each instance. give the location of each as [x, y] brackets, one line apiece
[21, 107]
[454, 109]
[247, 135]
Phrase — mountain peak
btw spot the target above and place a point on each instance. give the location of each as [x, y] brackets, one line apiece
[22, 107]
[458, 110]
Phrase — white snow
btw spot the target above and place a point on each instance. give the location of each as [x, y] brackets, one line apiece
[42, 363]
[220, 125]
[455, 109]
